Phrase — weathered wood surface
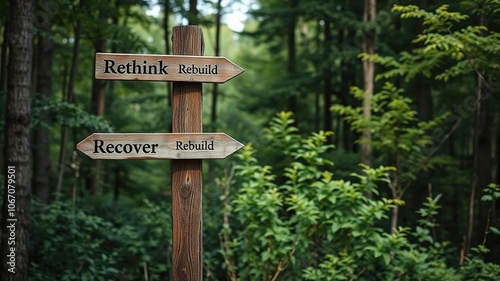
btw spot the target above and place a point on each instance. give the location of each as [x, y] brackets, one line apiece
[158, 146]
[181, 68]
[187, 241]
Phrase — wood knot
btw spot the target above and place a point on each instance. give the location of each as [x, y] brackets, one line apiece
[187, 187]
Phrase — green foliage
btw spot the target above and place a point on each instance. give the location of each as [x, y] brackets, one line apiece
[491, 194]
[477, 269]
[428, 214]
[314, 227]
[440, 21]
[51, 111]
[281, 133]
[68, 245]
[462, 50]
[309, 227]
[115, 243]
[396, 133]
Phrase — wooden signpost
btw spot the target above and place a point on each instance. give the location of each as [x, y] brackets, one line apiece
[158, 146]
[164, 68]
[186, 145]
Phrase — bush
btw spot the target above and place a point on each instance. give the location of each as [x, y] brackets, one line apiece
[68, 243]
[303, 224]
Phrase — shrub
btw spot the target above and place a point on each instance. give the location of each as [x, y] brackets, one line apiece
[303, 224]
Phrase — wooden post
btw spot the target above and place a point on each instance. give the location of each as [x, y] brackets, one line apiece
[187, 145]
[187, 174]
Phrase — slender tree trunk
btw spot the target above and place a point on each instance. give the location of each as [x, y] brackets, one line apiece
[343, 94]
[317, 66]
[166, 30]
[423, 87]
[424, 103]
[215, 86]
[496, 204]
[3, 56]
[369, 15]
[497, 180]
[166, 26]
[317, 107]
[98, 107]
[193, 12]
[16, 200]
[394, 218]
[292, 52]
[70, 98]
[41, 151]
[3, 79]
[482, 163]
[327, 81]
[98, 101]
[482, 160]
[424, 100]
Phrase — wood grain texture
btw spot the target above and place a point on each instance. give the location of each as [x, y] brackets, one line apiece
[17, 148]
[158, 146]
[187, 174]
[177, 68]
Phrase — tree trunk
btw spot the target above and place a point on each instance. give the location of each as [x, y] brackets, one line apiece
[424, 103]
[215, 86]
[482, 162]
[422, 84]
[98, 107]
[16, 199]
[70, 98]
[166, 26]
[496, 204]
[369, 15]
[3, 56]
[193, 12]
[41, 151]
[327, 82]
[166, 30]
[292, 53]
[346, 76]
[424, 100]
[317, 94]
[3, 78]
[482, 153]
[394, 218]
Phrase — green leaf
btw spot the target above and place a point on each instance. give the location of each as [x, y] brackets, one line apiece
[494, 230]
[487, 198]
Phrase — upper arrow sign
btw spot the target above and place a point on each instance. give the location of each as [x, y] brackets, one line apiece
[164, 68]
[158, 146]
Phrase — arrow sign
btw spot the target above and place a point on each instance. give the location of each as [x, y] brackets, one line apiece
[112, 66]
[158, 146]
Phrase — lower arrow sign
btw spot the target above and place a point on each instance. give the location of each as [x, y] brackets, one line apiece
[158, 146]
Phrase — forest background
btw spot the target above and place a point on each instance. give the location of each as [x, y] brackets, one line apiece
[406, 88]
